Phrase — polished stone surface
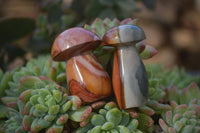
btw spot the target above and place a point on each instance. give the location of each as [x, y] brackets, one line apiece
[130, 81]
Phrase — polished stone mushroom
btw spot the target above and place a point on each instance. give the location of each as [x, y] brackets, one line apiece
[86, 77]
[129, 78]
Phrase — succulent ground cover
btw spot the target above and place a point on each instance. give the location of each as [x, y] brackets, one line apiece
[185, 107]
[110, 119]
[35, 98]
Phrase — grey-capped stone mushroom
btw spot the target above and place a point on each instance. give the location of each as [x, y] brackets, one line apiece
[130, 80]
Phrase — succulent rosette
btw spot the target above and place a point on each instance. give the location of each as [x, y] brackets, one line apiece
[159, 93]
[184, 95]
[4, 79]
[109, 119]
[182, 118]
[45, 106]
[12, 83]
[174, 77]
[156, 94]
[14, 122]
[42, 66]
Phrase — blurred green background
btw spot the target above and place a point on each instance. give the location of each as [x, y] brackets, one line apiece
[28, 27]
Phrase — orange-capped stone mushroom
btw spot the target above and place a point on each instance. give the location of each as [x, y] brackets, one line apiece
[86, 77]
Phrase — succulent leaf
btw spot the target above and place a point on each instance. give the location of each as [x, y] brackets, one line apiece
[46, 108]
[184, 96]
[80, 114]
[148, 52]
[180, 119]
[97, 120]
[4, 82]
[14, 123]
[176, 77]
[55, 129]
[19, 80]
[27, 121]
[3, 111]
[110, 119]
[145, 123]
[114, 115]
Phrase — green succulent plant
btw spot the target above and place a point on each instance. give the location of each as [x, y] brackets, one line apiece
[182, 118]
[42, 66]
[14, 122]
[12, 83]
[3, 110]
[156, 104]
[110, 119]
[44, 106]
[4, 79]
[3, 84]
[158, 92]
[174, 77]
[183, 96]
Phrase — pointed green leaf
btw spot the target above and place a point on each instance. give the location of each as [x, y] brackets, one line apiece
[54, 109]
[25, 96]
[4, 83]
[80, 114]
[57, 95]
[76, 102]
[62, 119]
[132, 125]
[28, 82]
[55, 129]
[65, 107]
[41, 108]
[114, 115]
[27, 121]
[148, 52]
[125, 118]
[49, 117]
[110, 105]
[163, 125]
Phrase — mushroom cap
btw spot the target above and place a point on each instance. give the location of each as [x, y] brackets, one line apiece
[123, 34]
[72, 42]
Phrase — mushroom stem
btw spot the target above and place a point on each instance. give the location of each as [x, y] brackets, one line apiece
[129, 77]
[87, 79]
